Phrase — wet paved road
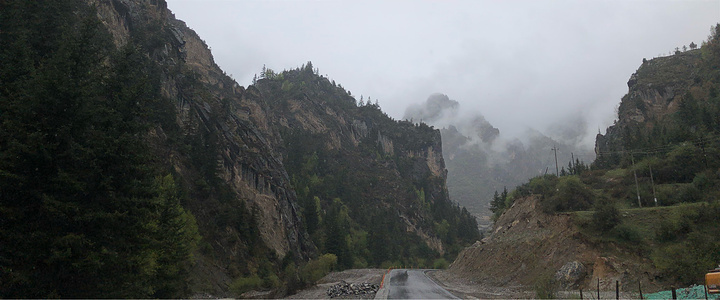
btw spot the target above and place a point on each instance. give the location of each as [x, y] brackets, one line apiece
[413, 284]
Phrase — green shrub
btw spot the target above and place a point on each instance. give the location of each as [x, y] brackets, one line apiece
[671, 194]
[360, 263]
[440, 263]
[244, 284]
[545, 288]
[704, 180]
[694, 248]
[290, 274]
[606, 215]
[389, 264]
[271, 281]
[680, 165]
[570, 194]
[543, 185]
[689, 194]
[667, 194]
[667, 231]
[687, 262]
[627, 233]
[316, 269]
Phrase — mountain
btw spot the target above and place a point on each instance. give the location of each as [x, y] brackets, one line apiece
[657, 91]
[481, 160]
[645, 215]
[385, 177]
[134, 167]
[114, 94]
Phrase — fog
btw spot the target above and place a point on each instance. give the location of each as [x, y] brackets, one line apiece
[441, 111]
[559, 67]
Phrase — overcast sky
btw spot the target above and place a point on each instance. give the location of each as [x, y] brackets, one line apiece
[519, 63]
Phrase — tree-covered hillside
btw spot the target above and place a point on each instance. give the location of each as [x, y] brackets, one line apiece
[84, 209]
[132, 166]
[365, 182]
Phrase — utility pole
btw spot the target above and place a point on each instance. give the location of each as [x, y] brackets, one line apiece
[637, 187]
[652, 182]
[557, 171]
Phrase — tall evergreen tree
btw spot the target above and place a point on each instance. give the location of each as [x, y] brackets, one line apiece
[81, 214]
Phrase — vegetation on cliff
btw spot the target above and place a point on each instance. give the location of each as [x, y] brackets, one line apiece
[102, 173]
[84, 209]
[133, 167]
[365, 182]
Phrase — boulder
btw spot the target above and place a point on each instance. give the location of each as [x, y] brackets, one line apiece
[571, 274]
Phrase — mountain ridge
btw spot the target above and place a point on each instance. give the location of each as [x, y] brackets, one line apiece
[228, 183]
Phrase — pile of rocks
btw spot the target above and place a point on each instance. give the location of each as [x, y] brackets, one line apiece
[343, 288]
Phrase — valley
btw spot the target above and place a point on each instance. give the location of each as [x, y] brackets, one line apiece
[133, 166]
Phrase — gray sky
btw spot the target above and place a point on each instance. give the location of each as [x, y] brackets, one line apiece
[519, 63]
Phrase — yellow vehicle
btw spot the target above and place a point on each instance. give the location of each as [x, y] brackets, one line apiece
[712, 281]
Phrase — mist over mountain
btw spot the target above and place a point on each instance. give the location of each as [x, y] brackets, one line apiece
[481, 159]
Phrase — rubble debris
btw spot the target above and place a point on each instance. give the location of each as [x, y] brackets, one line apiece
[343, 288]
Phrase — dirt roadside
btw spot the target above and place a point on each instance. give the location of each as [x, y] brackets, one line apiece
[319, 290]
[468, 289]
[461, 287]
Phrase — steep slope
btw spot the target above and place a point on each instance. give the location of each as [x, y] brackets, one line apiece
[656, 91]
[190, 124]
[132, 166]
[238, 185]
[670, 100]
[362, 176]
[528, 246]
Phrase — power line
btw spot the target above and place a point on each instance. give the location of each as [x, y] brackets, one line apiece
[660, 149]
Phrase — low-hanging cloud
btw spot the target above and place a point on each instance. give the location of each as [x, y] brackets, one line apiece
[499, 146]
[439, 110]
[523, 64]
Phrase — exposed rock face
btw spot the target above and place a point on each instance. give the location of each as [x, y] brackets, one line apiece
[209, 102]
[655, 90]
[362, 140]
[570, 274]
[238, 170]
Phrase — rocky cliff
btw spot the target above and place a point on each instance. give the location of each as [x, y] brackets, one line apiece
[134, 167]
[239, 156]
[341, 154]
[656, 91]
[236, 146]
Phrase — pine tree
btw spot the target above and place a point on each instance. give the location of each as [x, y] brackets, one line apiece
[80, 215]
[495, 204]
